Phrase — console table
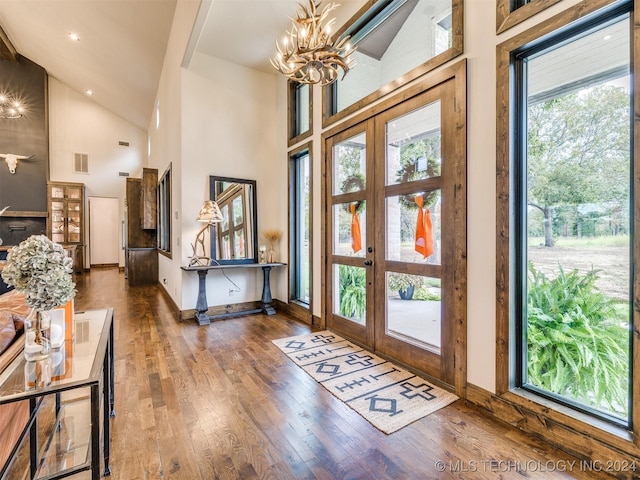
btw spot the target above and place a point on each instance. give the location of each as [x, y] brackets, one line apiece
[202, 305]
[87, 361]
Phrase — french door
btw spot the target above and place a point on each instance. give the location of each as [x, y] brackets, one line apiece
[395, 278]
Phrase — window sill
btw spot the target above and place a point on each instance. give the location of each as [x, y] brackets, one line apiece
[565, 415]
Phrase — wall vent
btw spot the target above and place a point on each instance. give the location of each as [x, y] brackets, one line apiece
[123, 144]
[123, 174]
[80, 163]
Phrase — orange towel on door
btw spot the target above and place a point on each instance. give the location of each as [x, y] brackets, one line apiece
[424, 229]
[356, 235]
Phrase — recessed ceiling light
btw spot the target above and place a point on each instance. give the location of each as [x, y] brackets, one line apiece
[607, 37]
[89, 92]
[74, 37]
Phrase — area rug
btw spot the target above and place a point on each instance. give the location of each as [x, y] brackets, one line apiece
[388, 396]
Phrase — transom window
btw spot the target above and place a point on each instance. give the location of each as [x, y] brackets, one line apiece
[396, 41]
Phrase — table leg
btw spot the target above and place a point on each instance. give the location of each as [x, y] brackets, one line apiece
[201, 305]
[112, 374]
[106, 412]
[33, 438]
[266, 291]
[95, 431]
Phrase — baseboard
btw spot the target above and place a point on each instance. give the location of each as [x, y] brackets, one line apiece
[219, 309]
[296, 311]
[607, 449]
[172, 304]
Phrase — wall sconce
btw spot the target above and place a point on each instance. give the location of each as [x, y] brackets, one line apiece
[209, 214]
[10, 107]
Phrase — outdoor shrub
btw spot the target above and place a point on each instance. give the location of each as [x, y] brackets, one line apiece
[353, 291]
[577, 342]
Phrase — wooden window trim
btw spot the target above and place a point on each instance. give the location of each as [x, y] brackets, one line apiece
[505, 18]
[457, 48]
[566, 429]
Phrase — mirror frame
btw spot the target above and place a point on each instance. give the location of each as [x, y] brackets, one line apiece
[253, 218]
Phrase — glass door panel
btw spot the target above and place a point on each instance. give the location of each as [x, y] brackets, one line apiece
[351, 286]
[350, 228]
[73, 222]
[349, 247]
[413, 232]
[413, 146]
[414, 309]
[73, 192]
[415, 283]
[349, 165]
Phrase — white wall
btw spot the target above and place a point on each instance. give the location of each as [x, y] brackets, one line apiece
[230, 128]
[166, 145]
[77, 124]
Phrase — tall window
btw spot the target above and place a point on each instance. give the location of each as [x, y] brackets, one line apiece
[300, 111]
[573, 218]
[164, 213]
[300, 215]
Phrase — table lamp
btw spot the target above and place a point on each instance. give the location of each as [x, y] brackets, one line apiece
[209, 213]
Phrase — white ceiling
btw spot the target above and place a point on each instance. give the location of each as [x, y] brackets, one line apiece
[123, 42]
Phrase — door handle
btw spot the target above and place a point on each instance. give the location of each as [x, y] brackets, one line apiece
[368, 263]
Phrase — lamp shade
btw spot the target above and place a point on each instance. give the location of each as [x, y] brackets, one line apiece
[210, 212]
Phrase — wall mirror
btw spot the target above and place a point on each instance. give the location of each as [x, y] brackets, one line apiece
[235, 239]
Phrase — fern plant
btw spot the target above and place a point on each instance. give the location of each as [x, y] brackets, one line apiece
[577, 342]
[353, 292]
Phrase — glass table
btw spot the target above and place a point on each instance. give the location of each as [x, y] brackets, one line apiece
[78, 381]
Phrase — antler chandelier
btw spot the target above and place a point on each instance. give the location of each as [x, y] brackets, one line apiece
[308, 54]
[10, 107]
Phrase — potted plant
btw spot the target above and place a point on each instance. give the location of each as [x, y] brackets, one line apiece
[405, 284]
[41, 269]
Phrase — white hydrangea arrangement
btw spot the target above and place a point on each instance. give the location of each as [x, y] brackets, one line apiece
[41, 269]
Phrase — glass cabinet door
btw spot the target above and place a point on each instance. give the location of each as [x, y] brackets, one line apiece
[57, 222]
[73, 222]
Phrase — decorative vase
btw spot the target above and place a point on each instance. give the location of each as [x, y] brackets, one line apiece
[407, 293]
[271, 257]
[37, 335]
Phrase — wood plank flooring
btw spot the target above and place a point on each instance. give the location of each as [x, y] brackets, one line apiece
[222, 402]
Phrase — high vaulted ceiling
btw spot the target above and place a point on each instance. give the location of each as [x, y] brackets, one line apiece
[122, 42]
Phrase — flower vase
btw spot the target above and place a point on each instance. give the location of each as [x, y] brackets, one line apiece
[37, 335]
[271, 256]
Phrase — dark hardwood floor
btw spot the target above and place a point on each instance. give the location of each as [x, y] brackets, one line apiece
[222, 402]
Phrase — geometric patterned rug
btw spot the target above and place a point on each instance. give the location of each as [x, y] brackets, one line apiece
[388, 396]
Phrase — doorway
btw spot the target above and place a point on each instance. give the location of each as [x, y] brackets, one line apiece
[395, 225]
[104, 247]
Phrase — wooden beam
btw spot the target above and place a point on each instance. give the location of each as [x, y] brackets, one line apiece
[7, 50]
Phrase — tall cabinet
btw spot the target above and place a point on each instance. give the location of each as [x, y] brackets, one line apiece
[141, 261]
[66, 217]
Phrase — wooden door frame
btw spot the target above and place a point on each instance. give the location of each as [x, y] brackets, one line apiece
[350, 329]
[431, 363]
[458, 73]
